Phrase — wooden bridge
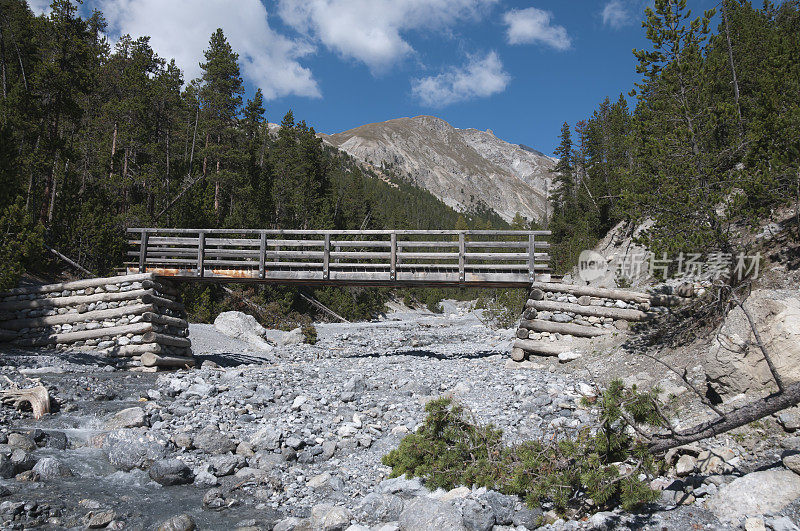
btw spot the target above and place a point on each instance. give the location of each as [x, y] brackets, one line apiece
[477, 258]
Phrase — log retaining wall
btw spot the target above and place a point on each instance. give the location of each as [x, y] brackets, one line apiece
[137, 317]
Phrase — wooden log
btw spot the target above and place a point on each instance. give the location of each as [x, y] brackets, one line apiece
[529, 313]
[77, 284]
[522, 333]
[666, 300]
[71, 337]
[594, 311]
[7, 335]
[150, 298]
[539, 325]
[129, 351]
[166, 320]
[536, 294]
[161, 287]
[603, 293]
[75, 300]
[150, 359]
[164, 339]
[68, 318]
[540, 348]
[517, 354]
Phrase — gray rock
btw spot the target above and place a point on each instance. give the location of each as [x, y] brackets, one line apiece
[128, 449]
[378, 508]
[21, 441]
[293, 524]
[6, 467]
[100, 519]
[756, 493]
[211, 441]
[428, 514]
[48, 468]
[242, 326]
[225, 465]
[267, 438]
[56, 439]
[792, 462]
[476, 516]
[502, 506]
[782, 523]
[22, 460]
[403, 487]
[180, 522]
[527, 518]
[326, 517]
[328, 449]
[132, 417]
[171, 472]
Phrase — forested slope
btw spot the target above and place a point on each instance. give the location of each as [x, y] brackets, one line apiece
[712, 143]
[97, 138]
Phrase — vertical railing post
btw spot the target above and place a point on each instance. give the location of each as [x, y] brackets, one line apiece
[143, 252]
[262, 256]
[462, 250]
[393, 259]
[532, 257]
[201, 253]
[326, 258]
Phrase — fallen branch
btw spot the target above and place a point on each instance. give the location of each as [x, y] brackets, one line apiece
[741, 416]
[37, 397]
[71, 262]
[314, 302]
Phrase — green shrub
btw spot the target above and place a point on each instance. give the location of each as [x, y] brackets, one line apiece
[450, 450]
[309, 333]
[21, 244]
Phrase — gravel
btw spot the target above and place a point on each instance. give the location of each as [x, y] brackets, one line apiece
[292, 437]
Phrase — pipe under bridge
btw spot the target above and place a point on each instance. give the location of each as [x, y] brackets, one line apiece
[454, 258]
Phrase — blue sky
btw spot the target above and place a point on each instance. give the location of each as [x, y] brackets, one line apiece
[520, 68]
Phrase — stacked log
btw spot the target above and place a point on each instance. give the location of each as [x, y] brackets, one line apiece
[554, 310]
[136, 317]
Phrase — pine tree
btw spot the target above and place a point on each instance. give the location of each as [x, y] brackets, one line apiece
[221, 96]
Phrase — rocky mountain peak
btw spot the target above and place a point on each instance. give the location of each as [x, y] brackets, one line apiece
[465, 168]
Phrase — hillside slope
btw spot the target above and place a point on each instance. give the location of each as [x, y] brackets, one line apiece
[463, 167]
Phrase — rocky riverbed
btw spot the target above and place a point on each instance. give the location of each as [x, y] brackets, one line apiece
[291, 437]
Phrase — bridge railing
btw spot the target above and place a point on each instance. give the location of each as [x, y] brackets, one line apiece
[382, 257]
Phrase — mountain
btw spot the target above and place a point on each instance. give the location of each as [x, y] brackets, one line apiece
[465, 168]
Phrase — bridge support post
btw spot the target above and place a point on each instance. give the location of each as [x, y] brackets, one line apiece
[462, 249]
[143, 252]
[201, 253]
[262, 250]
[532, 257]
[326, 258]
[393, 261]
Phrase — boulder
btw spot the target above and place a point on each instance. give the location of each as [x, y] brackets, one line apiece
[429, 514]
[171, 472]
[132, 417]
[376, 508]
[6, 467]
[51, 468]
[326, 517]
[180, 522]
[240, 325]
[134, 448]
[212, 441]
[21, 441]
[757, 493]
[736, 364]
[476, 517]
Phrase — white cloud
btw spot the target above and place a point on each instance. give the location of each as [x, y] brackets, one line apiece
[531, 25]
[39, 7]
[480, 77]
[616, 14]
[371, 31]
[181, 29]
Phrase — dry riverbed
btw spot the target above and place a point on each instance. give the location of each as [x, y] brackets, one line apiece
[292, 437]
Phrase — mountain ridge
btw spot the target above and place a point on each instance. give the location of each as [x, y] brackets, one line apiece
[465, 168]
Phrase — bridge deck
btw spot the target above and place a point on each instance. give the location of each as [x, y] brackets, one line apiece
[337, 257]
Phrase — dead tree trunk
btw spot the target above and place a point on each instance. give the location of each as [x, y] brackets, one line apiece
[753, 411]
